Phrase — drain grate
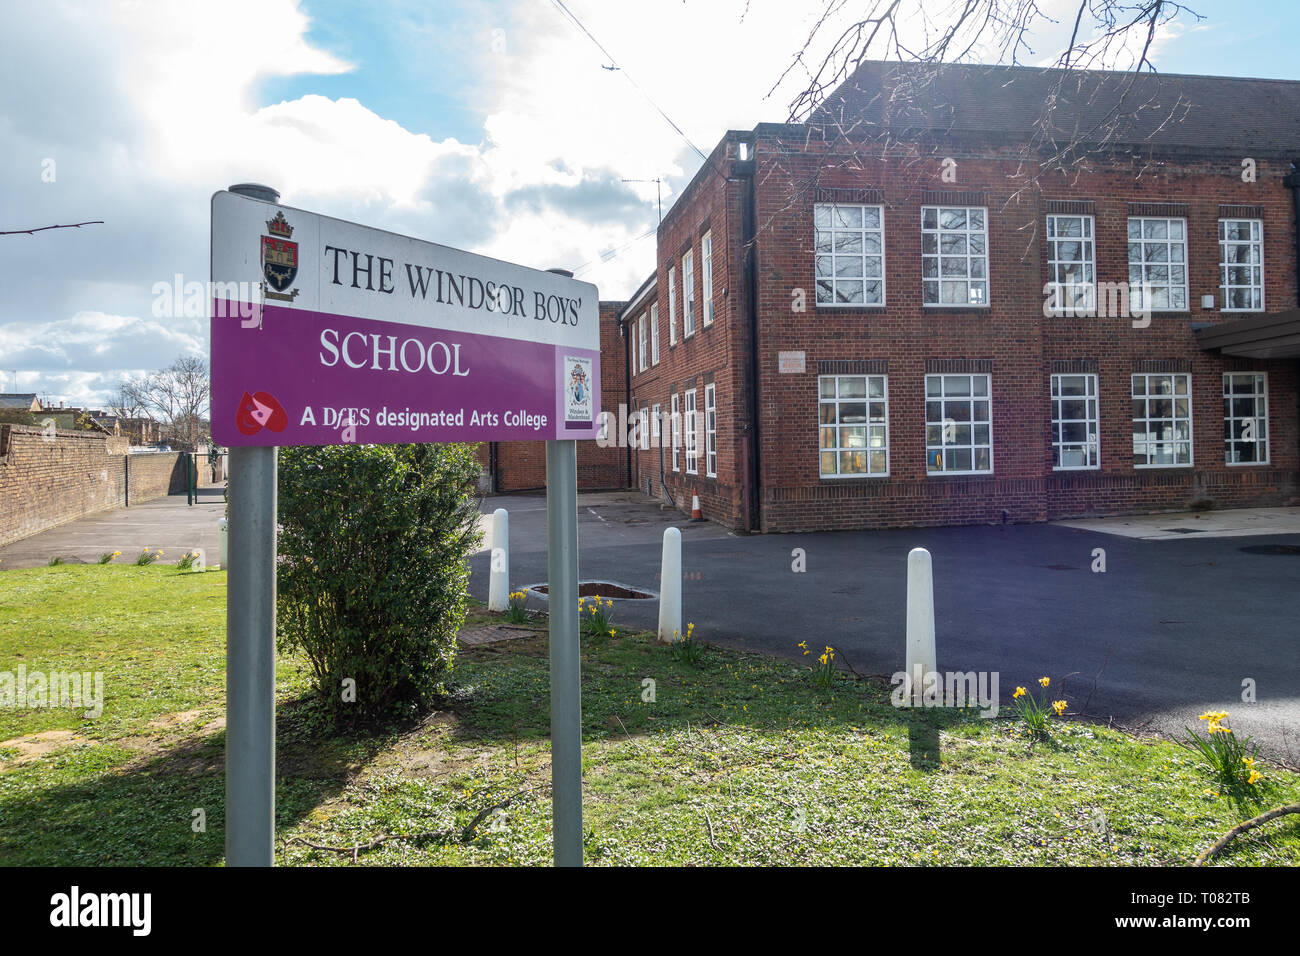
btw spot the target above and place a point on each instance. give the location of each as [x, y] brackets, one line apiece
[1271, 549]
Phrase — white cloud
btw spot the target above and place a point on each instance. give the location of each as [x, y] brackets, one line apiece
[148, 107]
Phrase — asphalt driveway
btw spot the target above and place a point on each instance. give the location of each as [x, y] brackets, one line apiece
[1170, 629]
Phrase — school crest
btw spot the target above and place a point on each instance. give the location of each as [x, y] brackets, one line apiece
[578, 387]
[279, 259]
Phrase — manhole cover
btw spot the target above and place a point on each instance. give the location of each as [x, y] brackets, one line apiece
[1271, 549]
[605, 589]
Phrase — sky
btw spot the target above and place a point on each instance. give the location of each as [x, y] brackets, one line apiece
[488, 125]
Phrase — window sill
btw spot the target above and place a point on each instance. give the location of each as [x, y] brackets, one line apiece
[1244, 464]
[1079, 468]
[958, 309]
[839, 478]
[959, 474]
[1164, 467]
[850, 310]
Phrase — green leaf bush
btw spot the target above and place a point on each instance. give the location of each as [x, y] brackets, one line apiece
[374, 545]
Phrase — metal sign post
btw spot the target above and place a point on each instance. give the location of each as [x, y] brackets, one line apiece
[327, 332]
[250, 644]
[566, 688]
[250, 659]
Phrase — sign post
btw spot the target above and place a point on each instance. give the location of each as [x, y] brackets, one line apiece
[566, 687]
[327, 332]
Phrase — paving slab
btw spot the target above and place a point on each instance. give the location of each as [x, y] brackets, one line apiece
[167, 523]
[1233, 523]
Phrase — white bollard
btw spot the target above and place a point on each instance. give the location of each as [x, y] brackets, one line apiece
[921, 658]
[670, 586]
[499, 584]
[222, 550]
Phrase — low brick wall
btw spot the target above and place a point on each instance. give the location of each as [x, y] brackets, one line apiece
[48, 479]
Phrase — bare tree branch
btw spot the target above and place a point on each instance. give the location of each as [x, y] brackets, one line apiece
[32, 232]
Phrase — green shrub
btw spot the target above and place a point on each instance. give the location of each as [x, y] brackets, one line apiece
[374, 544]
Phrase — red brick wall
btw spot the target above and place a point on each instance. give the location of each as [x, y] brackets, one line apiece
[44, 483]
[1011, 338]
[713, 354]
[1014, 337]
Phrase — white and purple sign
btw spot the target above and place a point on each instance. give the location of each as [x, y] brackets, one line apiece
[326, 332]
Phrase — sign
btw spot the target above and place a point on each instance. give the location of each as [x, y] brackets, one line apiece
[789, 363]
[326, 332]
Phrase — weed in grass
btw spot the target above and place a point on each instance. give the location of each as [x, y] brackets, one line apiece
[823, 674]
[515, 612]
[1231, 759]
[595, 617]
[1034, 713]
[686, 649]
[55, 562]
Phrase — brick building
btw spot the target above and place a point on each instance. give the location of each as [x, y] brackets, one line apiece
[906, 311]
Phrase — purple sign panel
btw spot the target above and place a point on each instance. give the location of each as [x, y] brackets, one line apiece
[325, 332]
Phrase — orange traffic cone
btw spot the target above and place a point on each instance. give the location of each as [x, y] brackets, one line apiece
[696, 514]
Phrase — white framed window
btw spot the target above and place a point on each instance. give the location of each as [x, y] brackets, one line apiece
[672, 306]
[1075, 423]
[655, 426]
[654, 334]
[644, 428]
[711, 430]
[692, 435]
[1241, 264]
[706, 276]
[958, 425]
[674, 428]
[1072, 264]
[853, 426]
[631, 344]
[1157, 263]
[1245, 418]
[954, 255]
[849, 248]
[641, 340]
[1162, 420]
[688, 294]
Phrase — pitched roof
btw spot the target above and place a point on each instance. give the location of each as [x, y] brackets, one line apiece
[1170, 110]
[23, 400]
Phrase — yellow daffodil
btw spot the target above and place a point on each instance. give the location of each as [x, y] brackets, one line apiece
[1044, 681]
[1254, 777]
[1059, 706]
[1020, 692]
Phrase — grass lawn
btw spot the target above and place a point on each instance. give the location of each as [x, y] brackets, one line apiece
[739, 760]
